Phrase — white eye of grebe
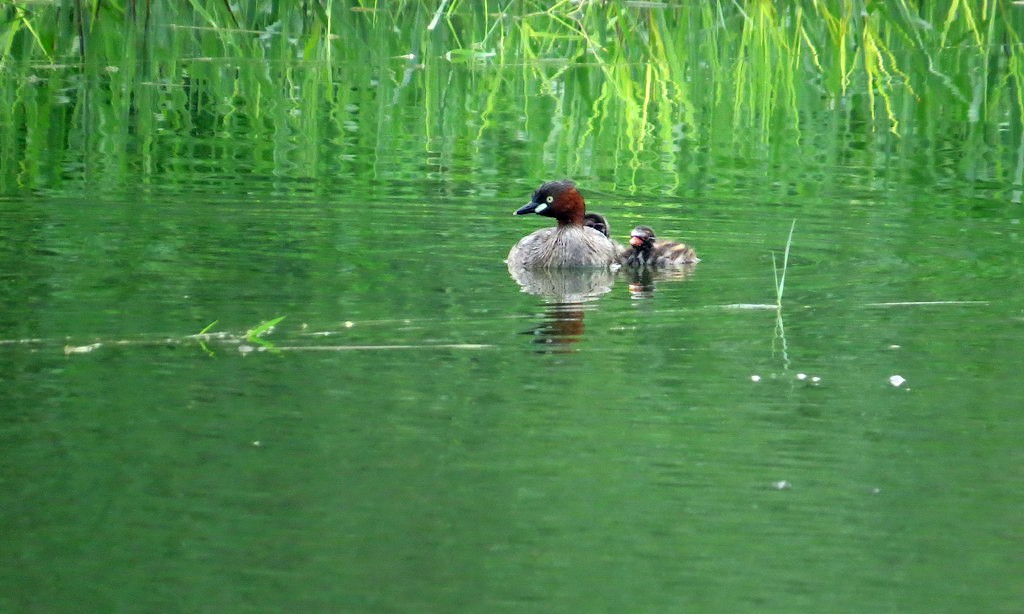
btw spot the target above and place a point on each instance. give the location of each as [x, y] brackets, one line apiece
[550, 199]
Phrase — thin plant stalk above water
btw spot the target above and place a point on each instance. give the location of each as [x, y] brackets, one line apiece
[780, 287]
[780, 277]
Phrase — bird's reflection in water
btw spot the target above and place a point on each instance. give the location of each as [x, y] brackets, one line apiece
[569, 293]
[641, 283]
[560, 327]
[643, 280]
[564, 285]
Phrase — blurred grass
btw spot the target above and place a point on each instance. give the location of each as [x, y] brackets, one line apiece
[141, 87]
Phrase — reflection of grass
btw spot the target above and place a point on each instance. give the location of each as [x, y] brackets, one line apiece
[662, 77]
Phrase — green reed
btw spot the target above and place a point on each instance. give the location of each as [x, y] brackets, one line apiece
[780, 275]
[658, 83]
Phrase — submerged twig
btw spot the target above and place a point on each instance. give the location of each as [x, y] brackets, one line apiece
[924, 303]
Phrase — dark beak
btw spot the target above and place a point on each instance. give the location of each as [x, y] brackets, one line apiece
[525, 209]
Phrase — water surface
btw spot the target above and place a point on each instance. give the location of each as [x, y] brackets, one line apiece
[421, 434]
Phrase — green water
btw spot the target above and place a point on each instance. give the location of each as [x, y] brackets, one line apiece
[420, 433]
